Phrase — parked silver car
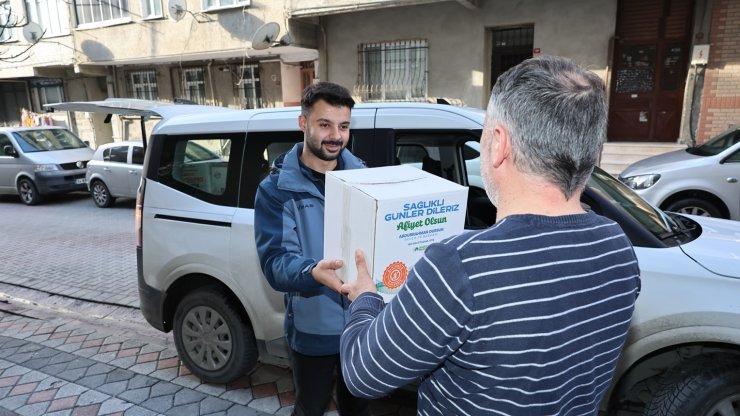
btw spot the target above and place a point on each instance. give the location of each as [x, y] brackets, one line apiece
[702, 180]
[115, 172]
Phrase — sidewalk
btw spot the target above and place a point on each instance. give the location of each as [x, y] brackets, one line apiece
[102, 360]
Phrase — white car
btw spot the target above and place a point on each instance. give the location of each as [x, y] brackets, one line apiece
[702, 180]
[115, 172]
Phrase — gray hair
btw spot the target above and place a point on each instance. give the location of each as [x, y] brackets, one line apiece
[556, 114]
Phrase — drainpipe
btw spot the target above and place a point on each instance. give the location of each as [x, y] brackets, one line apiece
[326, 49]
[210, 82]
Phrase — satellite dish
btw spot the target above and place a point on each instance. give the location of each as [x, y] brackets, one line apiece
[286, 40]
[176, 9]
[265, 35]
[32, 32]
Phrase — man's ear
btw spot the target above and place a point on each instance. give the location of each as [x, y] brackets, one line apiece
[501, 146]
[302, 123]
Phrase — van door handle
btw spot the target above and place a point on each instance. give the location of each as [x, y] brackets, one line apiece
[106, 169]
[731, 179]
[133, 172]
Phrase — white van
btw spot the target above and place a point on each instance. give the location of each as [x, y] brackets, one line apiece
[38, 161]
[199, 273]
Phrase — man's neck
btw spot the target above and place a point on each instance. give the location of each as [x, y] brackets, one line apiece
[538, 197]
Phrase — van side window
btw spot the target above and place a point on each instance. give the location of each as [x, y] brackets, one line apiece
[455, 157]
[259, 156]
[206, 167]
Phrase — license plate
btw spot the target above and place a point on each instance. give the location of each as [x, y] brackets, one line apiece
[79, 181]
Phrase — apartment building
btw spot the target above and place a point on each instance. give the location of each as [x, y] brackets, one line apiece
[671, 66]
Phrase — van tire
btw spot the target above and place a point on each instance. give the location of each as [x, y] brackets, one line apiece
[28, 192]
[214, 341]
[698, 387]
[101, 195]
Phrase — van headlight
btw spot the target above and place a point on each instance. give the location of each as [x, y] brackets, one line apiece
[641, 181]
[47, 167]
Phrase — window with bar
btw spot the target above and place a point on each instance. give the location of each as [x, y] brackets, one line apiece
[248, 86]
[98, 11]
[194, 86]
[218, 4]
[143, 84]
[151, 9]
[51, 15]
[393, 71]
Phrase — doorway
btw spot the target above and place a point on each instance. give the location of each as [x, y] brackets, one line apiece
[650, 59]
[511, 46]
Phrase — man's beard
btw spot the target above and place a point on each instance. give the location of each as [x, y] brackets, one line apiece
[319, 152]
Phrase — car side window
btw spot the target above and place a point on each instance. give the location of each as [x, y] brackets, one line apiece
[206, 167]
[4, 141]
[118, 154]
[137, 155]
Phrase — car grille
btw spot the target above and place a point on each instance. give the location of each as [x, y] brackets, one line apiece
[73, 165]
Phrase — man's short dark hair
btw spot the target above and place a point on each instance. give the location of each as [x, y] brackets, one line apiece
[333, 94]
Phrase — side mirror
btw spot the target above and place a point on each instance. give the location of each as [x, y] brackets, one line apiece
[8, 150]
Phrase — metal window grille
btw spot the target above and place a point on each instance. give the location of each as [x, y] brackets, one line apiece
[143, 84]
[51, 94]
[194, 86]
[51, 15]
[393, 71]
[95, 11]
[151, 8]
[7, 21]
[248, 87]
[214, 4]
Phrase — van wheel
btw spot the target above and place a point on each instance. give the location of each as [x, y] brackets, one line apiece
[707, 386]
[214, 341]
[101, 195]
[28, 192]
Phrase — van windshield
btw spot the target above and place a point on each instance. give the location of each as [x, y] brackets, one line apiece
[44, 140]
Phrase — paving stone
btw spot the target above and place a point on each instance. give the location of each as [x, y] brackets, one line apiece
[127, 362]
[186, 396]
[214, 404]
[239, 410]
[165, 374]
[212, 389]
[16, 370]
[32, 377]
[62, 358]
[141, 381]
[72, 375]
[163, 388]
[241, 396]
[185, 409]
[33, 409]
[190, 382]
[37, 363]
[92, 382]
[79, 362]
[99, 368]
[266, 404]
[159, 404]
[137, 396]
[114, 388]
[139, 411]
[69, 390]
[91, 397]
[113, 405]
[14, 402]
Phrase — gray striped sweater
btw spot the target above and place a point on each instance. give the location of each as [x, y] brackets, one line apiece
[527, 317]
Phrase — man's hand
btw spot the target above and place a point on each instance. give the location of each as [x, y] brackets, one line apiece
[325, 273]
[363, 283]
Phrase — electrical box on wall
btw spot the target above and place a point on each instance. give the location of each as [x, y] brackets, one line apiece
[700, 55]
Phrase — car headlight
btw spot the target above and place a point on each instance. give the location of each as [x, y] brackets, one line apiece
[641, 181]
[48, 167]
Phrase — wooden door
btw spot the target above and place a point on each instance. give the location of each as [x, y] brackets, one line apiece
[650, 66]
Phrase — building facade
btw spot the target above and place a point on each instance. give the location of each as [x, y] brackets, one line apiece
[672, 66]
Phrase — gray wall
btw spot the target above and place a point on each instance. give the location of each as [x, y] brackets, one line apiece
[459, 39]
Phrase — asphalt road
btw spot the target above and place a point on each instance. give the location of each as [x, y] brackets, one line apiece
[69, 246]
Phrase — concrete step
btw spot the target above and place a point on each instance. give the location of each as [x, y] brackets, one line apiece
[616, 156]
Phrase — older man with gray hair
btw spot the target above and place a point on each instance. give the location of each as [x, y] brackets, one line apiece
[527, 317]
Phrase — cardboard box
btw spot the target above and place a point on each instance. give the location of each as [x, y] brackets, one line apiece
[391, 213]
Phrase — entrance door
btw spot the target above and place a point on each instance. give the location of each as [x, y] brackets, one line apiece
[510, 47]
[650, 66]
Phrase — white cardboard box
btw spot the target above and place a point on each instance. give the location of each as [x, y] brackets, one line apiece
[391, 213]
